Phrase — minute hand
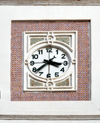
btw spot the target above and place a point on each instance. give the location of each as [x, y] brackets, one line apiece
[42, 66]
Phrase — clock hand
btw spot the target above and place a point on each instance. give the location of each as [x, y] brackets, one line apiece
[45, 64]
[53, 63]
[57, 63]
[42, 66]
[52, 58]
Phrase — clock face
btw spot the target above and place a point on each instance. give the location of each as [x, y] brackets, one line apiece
[49, 62]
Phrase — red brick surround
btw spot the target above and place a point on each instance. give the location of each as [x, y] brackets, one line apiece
[17, 28]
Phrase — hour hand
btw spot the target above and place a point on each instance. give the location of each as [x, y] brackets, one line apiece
[57, 63]
[53, 63]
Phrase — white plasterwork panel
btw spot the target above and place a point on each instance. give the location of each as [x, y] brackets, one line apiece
[8, 13]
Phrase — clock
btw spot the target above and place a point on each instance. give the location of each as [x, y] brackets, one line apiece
[49, 62]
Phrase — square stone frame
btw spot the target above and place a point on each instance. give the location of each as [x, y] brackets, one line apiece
[48, 110]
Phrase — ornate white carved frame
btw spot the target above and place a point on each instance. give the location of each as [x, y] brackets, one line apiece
[50, 38]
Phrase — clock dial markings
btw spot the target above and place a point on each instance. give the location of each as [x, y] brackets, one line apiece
[31, 63]
[63, 56]
[65, 63]
[56, 74]
[36, 60]
[49, 50]
[40, 52]
[48, 75]
[61, 60]
[57, 51]
[40, 73]
[56, 62]
[62, 69]
[34, 69]
[35, 56]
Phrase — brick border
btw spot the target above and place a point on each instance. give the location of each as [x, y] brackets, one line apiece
[83, 91]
